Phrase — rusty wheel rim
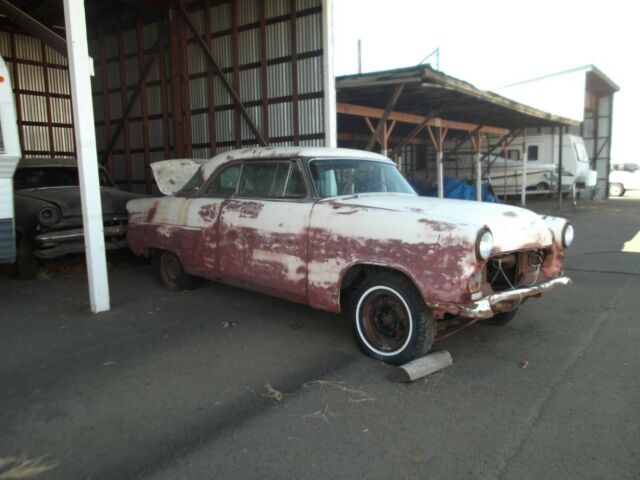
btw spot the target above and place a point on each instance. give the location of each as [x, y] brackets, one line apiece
[170, 268]
[384, 321]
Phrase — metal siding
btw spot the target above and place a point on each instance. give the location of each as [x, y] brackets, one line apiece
[278, 72]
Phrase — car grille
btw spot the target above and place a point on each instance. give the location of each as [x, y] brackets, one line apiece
[509, 271]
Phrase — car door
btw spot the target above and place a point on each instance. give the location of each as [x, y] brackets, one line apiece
[203, 214]
[264, 229]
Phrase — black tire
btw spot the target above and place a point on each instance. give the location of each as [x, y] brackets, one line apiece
[390, 321]
[501, 319]
[616, 190]
[171, 273]
[27, 264]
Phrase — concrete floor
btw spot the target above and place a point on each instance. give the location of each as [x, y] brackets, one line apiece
[173, 385]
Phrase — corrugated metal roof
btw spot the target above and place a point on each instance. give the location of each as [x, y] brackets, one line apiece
[427, 90]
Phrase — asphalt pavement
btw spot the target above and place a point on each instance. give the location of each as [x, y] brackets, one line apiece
[224, 383]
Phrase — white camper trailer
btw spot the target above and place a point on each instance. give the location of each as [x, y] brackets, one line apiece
[9, 156]
[543, 149]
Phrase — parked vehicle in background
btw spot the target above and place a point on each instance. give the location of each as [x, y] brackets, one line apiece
[623, 177]
[48, 212]
[342, 230]
[506, 175]
[543, 149]
[9, 157]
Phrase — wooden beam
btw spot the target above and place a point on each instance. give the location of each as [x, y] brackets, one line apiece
[414, 132]
[364, 111]
[144, 107]
[128, 103]
[385, 116]
[212, 61]
[34, 27]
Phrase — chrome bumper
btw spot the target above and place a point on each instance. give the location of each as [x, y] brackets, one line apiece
[503, 301]
[77, 234]
[56, 244]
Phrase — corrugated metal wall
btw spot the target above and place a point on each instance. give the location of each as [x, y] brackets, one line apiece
[596, 132]
[270, 51]
[40, 82]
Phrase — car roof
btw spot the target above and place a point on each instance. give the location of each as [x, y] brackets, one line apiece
[267, 153]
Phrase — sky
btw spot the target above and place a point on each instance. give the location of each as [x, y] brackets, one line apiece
[498, 42]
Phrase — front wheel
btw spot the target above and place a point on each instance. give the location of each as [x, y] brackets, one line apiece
[616, 189]
[390, 320]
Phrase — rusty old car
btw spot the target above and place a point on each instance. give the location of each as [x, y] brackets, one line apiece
[342, 230]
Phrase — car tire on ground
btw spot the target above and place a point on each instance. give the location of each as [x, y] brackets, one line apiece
[501, 319]
[27, 264]
[171, 273]
[390, 320]
[616, 190]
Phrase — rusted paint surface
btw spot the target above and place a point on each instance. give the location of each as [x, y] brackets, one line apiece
[301, 250]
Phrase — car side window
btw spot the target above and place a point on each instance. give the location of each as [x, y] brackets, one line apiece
[295, 185]
[225, 182]
[264, 179]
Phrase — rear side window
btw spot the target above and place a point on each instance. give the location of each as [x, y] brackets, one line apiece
[269, 180]
[532, 152]
[225, 182]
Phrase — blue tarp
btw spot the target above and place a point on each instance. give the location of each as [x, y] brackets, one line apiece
[456, 188]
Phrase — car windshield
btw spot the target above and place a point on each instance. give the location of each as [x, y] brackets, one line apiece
[347, 177]
[53, 176]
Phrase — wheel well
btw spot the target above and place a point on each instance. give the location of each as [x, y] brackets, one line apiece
[357, 274]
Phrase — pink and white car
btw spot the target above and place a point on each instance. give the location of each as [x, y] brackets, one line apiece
[342, 230]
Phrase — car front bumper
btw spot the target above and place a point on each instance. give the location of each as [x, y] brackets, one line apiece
[493, 304]
[62, 242]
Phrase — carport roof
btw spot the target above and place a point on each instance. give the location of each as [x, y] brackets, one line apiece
[427, 90]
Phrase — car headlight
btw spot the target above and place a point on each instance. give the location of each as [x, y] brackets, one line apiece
[567, 235]
[484, 244]
[48, 215]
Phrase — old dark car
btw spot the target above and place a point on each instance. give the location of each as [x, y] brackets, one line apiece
[48, 212]
[340, 230]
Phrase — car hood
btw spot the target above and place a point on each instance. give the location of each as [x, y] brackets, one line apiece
[67, 199]
[513, 228]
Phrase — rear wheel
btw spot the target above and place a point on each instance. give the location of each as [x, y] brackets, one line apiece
[616, 189]
[390, 320]
[501, 319]
[171, 273]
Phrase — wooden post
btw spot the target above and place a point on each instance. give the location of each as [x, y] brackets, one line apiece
[561, 139]
[438, 144]
[477, 147]
[525, 158]
[79, 75]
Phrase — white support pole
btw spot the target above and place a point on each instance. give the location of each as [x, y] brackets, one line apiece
[80, 71]
[478, 156]
[525, 157]
[440, 174]
[329, 79]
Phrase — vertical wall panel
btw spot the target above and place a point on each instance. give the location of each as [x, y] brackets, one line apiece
[264, 67]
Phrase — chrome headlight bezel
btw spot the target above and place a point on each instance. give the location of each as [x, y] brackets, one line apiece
[568, 235]
[48, 215]
[484, 244]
